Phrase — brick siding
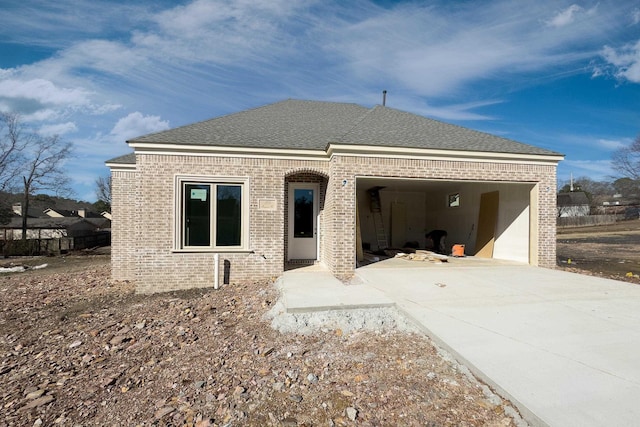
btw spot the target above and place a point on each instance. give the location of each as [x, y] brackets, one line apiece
[144, 212]
[341, 198]
[159, 268]
[124, 224]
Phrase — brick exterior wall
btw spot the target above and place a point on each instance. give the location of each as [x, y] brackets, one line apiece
[160, 268]
[124, 224]
[341, 199]
[144, 209]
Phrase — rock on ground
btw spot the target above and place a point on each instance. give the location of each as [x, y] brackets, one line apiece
[79, 349]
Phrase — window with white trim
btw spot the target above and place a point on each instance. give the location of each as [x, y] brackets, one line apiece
[213, 215]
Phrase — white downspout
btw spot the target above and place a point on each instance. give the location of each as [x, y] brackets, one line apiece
[216, 270]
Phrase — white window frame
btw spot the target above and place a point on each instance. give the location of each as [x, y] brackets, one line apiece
[178, 237]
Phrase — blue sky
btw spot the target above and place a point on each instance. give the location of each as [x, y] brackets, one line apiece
[560, 75]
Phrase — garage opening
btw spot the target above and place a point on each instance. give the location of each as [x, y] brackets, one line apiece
[491, 219]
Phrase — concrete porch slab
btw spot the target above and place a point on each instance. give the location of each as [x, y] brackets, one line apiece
[314, 288]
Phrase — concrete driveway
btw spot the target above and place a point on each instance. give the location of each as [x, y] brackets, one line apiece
[564, 348]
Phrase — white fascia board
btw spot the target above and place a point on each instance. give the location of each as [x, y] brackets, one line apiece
[338, 149]
[121, 166]
[434, 154]
[218, 151]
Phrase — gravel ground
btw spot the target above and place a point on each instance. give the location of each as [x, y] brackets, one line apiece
[373, 319]
[79, 349]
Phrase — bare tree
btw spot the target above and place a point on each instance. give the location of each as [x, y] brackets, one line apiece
[626, 160]
[43, 170]
[12, 144]
[30, 162]
[103, 189]
[627, 187]
[13, 141]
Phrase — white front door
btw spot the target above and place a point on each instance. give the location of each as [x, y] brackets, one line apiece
[303, 221]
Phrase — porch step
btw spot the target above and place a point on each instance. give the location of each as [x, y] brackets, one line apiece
[305, 292]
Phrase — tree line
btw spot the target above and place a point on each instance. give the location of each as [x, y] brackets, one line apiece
[599, 192]
[626, 162]
[30, 163]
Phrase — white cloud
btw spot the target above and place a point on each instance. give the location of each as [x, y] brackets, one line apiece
[598, 170]
[451, 112]
[585, 146]
[437, 51]
[624, 61]
[635, 16]
[39, 99]
[298, 48]
[103, 56]
[40, 115]
[611, 144]
[5, 73]
[565, 17]
[43, 91]
[56, 24]
[137, 124]
[58, 129]
[220, 31]
[99, 109]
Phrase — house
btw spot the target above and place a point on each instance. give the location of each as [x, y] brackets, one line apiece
[80, 213]
[48, 228]
[573, 204]
[242, 196]
[17, 210]
[53, 224]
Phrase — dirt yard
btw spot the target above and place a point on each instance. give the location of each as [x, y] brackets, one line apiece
[78, 349]
[611, 251]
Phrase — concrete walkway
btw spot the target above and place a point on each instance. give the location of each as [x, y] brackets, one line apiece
[564, 348]
[313, 288]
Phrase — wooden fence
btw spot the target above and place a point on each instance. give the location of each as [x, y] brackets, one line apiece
[585, 221]
[31, 247]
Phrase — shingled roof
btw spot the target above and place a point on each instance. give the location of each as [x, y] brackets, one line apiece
[573, 199]
[124, 160]
[313, 125]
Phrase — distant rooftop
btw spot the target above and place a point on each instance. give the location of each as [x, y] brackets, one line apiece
[572, 199]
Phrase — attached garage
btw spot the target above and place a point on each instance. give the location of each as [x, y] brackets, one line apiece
[491, 219]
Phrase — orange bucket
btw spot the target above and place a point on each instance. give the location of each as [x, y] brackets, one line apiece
[457, 250]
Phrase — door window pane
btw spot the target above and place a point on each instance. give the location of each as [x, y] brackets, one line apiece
[228, 215]
[197, 215]
[303, 213]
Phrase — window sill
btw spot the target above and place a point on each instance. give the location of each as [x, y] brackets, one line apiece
[212, 251]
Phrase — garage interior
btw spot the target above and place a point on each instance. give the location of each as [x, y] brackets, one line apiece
[491, 219]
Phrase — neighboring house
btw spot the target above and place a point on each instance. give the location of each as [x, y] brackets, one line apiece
[59, 213]
[32, 213]
[82, 213]
[573, 204]
[289, 183]
[53, 224]
[47, 228]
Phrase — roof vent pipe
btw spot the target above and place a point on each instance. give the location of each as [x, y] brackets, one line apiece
[384, 98]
